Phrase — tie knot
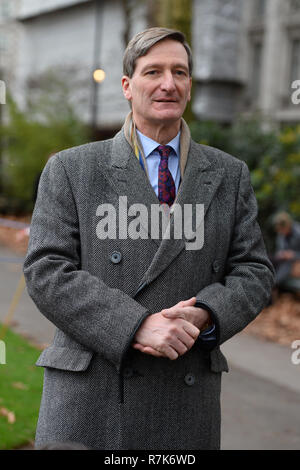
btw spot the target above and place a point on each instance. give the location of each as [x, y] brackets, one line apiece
[164, 150]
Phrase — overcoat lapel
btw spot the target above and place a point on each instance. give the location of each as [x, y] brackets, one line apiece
[127, 178]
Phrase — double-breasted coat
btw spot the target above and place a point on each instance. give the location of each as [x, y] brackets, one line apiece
[98, 390]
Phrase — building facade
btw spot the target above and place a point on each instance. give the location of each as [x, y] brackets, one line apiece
[9, 38]
[246, 54]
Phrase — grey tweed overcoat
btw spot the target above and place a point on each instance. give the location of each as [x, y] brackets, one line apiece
[98, 390]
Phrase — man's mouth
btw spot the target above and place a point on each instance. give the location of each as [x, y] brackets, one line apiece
[164, 100]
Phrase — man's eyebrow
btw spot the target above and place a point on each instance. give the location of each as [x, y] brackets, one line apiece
[151, 66]
[181, 66]
[160, 65]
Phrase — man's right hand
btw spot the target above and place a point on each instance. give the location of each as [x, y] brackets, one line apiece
[163, 337]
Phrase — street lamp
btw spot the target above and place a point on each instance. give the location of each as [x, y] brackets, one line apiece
[2, 102]
[99, 75]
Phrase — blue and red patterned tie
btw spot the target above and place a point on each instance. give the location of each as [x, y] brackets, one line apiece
[166, 185]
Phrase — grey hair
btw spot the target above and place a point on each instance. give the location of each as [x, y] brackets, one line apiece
[140, 44]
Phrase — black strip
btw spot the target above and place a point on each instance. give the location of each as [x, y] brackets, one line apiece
[214, 319]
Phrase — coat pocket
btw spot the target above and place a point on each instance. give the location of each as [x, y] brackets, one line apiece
[218, 362]
[65, 358]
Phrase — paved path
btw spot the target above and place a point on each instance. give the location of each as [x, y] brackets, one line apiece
[260, 395]
[27, 320]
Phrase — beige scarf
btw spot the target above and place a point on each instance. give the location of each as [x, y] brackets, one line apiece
[133, 140]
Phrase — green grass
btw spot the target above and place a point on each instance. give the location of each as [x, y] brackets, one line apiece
[20, 368]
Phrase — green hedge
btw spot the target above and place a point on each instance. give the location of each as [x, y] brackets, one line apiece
[273, 157]
[27, 141]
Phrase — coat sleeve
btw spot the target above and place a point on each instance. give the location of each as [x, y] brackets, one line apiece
[249, 275]
[101, 318]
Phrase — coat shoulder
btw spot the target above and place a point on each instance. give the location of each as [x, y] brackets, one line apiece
[89, 151]
[218, 158]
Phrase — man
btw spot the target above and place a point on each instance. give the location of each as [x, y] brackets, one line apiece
[287, 256]
[135, 362]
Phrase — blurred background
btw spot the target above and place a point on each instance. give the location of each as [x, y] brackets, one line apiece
[61, 63]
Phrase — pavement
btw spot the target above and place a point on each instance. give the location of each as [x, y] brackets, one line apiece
[27, 320]
[260, 397]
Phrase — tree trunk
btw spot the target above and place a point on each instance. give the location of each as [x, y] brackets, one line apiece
[173, 14]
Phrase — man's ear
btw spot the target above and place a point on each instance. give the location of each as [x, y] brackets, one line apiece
[126, 87]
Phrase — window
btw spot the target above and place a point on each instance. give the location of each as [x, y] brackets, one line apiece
[295, 6]
[295, 60]
[259, 9]
[5, 8]
[256, 71]
[3, 43]
[3, 49]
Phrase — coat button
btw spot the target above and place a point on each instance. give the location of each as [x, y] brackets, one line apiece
[127, 372]
[189, 379]
[216, 266]
[116, 257]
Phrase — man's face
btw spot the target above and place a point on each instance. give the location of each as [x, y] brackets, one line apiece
[283, 229]
[160, 86]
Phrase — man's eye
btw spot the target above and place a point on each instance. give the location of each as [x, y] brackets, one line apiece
[180, 72]
[151, 72]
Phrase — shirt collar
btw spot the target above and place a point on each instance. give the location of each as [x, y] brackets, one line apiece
[149, 145]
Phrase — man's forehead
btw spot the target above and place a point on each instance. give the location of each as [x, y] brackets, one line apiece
[166, 49]
[164, 44]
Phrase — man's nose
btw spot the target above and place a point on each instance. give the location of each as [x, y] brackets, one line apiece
[168, 83]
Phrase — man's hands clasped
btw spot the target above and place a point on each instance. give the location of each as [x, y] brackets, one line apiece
[173, 331]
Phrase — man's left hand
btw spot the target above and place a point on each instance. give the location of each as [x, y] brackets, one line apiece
[186, 309]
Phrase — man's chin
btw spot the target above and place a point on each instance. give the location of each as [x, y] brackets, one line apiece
[167, 115]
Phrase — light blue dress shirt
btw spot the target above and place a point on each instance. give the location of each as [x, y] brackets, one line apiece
[153, 159]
